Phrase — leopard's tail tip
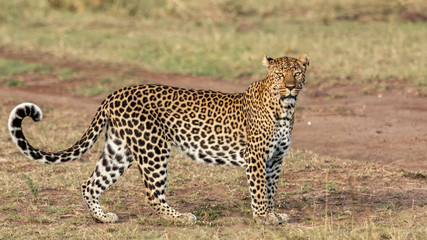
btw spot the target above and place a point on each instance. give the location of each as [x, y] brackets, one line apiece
[21, 111]
[24, 110]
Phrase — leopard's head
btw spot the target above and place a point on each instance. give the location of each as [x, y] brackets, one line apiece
[286, 75]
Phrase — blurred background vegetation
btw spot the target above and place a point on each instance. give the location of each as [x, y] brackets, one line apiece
[347, 41]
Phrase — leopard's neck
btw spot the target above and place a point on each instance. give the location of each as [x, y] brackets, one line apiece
[271, 103]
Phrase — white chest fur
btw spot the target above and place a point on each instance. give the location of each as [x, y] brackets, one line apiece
[281, 139]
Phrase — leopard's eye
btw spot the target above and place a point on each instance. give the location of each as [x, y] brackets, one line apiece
[297, 74]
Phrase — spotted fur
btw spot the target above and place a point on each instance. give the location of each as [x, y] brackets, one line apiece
[250, 129]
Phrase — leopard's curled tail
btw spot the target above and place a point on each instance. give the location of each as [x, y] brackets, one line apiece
[76, 151]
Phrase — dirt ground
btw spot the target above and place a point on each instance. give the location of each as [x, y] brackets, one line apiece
[387, 126]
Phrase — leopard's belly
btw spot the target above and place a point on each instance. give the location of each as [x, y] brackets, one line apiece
[212, 149]
[214, 155]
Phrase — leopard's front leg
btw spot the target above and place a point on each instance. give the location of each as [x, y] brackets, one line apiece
[256, 173]
[274, 166]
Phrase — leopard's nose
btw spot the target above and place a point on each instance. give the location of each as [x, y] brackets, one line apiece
[290, 87]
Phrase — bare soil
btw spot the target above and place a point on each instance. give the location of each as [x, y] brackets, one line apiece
[387, 126]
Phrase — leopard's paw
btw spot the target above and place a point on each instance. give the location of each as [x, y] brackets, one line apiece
[268, 219]
[187, 218]
[181, 217]
[106, 218]
[282, 217]
[110, 218]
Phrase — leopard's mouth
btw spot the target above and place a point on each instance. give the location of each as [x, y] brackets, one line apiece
[286, 93]
[289, 97]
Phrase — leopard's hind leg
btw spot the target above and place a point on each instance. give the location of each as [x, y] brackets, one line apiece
[114, 161]
[152, 153]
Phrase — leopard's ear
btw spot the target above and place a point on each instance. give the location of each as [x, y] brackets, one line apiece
[304, 60]
[267, 61]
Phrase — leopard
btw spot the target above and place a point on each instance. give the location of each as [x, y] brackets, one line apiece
[251, 129]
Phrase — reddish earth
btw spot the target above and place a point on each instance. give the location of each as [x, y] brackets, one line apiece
[388, 127]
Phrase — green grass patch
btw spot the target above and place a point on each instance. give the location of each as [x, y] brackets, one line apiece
[14, 83]
[356, 41]
[337, 96]
[93, 90]
[108, 83]
[34, 189]
[15, 67]
[65, 73]
[10, 70]
[415, 175]
[9, 207]
[60, 210]
[210, 212]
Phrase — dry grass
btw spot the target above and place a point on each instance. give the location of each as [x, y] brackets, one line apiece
[326, 198]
